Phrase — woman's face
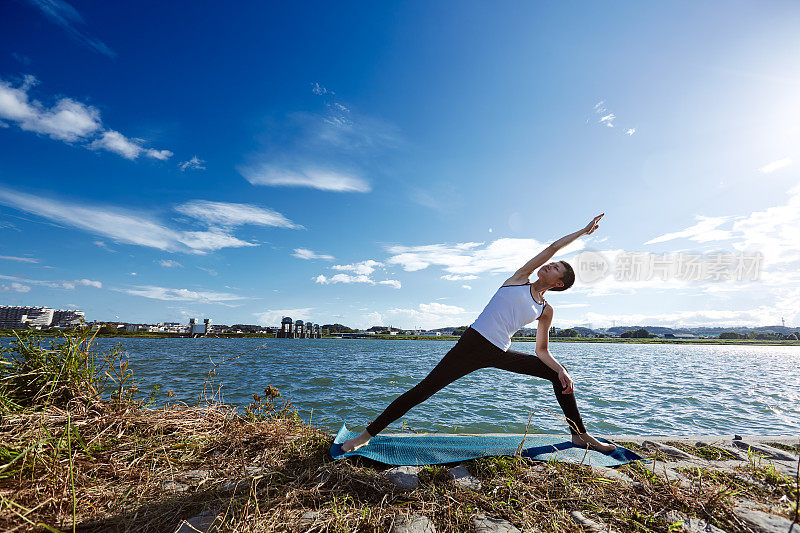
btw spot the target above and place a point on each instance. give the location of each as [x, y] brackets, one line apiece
[551, 273]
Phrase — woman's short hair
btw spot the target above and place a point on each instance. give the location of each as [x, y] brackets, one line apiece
[568, 277]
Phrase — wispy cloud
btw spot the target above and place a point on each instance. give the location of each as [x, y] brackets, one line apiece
[19, 259]
[356, 278]
[69, 121]
[181, 295]
[706, 229]
[606, 117]
[775, 165]
[324, 180]
[59, 284]
[316, 88]
[169, 263]
[430, 315]
[63, 14]
[330, 150]
[772, 231]
[14, 287]
[114, 141]
[304, 253]
[471, 258]
[273, 317]
[357, 273]
[121, 225]
[194, 163]
[232, 214]
[362, 267]
[459, 277]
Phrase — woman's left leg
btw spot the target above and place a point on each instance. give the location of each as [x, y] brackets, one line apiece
[531, 365]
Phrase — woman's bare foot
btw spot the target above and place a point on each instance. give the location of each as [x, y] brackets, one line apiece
[356, 442]
[584, 439]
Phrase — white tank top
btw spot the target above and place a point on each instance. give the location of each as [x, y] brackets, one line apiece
[511, 307]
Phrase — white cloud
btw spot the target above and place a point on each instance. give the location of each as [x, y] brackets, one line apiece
[361, 272]
[707, 229]
[472, 258]
[684, 318]
[115, 142]
[608, 120]
[316, 178]
[232, 214]
[304, 253]
[430, 315]
[60, 284]
[161, 155]
[194, 163]
[773, 231]
[122, 226]
[459, 277]
[182, 295]
[67, 120]
[63, 14]
[169, 263]
[19, 259]
[363, 267]
[468, 287]
[355, 278]
[15, 287]
[89, 283]
[775, 165]
[316, 88]
[273, 317]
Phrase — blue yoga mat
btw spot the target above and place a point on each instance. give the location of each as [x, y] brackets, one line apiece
[441, 449]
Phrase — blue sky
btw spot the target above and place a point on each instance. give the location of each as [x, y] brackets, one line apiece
[378, 164]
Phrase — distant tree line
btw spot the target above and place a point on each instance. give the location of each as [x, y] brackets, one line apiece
[761, 336]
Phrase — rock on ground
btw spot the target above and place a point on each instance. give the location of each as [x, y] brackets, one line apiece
[204, 523]
[590, 525]
[691, 524]
[763, 522]
[666, 449]
[404, 477]
[484, 524]
[415, 523]
[461, 477]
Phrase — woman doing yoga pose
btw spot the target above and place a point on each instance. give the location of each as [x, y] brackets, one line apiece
[486, 344]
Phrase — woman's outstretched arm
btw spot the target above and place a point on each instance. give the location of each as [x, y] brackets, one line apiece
[544, 256]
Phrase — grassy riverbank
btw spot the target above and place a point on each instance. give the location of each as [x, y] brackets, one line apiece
[82, 449]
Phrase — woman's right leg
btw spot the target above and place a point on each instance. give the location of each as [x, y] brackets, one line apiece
[463, 358]
[457, 363]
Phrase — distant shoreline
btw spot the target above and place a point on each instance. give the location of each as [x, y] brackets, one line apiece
[618, 340]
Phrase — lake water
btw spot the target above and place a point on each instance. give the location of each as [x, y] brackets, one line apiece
[667, 389]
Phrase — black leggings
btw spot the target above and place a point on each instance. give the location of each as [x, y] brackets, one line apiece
[471, 352]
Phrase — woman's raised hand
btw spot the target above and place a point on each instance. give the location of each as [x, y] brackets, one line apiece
[591, 226]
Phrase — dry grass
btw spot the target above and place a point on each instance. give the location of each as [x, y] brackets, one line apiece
[90, 462]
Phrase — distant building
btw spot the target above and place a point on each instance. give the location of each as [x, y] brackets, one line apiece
[67, 318]
[18, 317]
